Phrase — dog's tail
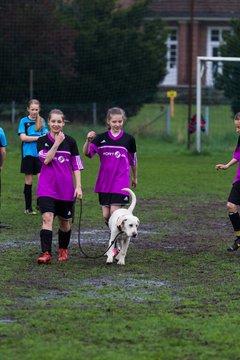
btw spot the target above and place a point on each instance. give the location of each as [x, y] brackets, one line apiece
[134, 200]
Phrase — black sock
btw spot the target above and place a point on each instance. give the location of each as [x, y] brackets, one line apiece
[64, 239]
[28, 196]
[235, 220]
[46, 240]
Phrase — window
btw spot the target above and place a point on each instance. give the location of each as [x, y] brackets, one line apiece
[215, 39]
[172, 48]
[172, 56]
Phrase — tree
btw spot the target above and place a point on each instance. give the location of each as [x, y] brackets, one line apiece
[120, 55]
[33, 37]
[229, 80]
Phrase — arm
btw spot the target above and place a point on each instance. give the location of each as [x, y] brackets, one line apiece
[226, 166]
[90, 136]
[59, 138]
[26, 138]
[78, 187]
[134, 176]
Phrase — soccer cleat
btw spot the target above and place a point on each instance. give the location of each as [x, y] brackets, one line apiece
[235, 246]
[45, 258]
[30, 212]
[62, 255]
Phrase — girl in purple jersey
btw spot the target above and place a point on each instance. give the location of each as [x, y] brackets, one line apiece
[117, 152]
[56, 192]
[234, 197]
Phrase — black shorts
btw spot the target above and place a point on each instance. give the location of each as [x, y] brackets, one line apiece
[108, 199]
[234, 196]
[31, 165]
[61, 208]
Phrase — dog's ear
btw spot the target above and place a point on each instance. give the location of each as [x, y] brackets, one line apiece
[137, 220]
[120, 220]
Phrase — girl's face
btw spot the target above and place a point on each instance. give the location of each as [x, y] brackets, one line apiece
[56, 123]
[237, 126]
[33, 111]
[116, 123]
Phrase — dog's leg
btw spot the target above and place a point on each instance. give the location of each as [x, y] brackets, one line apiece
[122, 254]
[110, 253]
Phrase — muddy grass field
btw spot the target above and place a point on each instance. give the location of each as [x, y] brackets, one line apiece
[177, 297]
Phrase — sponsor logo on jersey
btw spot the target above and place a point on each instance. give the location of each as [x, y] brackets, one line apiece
[103, 141]
[117, 154]
[46, 145]
[69, 213]
[126, 198]
[61, 159]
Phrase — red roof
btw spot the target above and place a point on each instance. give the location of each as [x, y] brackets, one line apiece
[219, 9]
[202, 8]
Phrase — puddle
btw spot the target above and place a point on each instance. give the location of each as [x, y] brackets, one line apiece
[91, 288]
[100, 236]
[130, 282]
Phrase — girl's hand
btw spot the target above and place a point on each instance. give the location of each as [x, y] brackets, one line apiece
[134, 182]
[221, 167]
[78, 192]
[91, 135]
[59, 138]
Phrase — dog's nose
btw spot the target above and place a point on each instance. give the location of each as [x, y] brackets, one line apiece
[134, 234]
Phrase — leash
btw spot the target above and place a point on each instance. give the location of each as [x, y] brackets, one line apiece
[79, 232]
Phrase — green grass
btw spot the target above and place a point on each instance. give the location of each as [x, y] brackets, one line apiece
[176, 298]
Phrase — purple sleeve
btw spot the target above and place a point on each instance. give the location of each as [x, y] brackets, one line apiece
[93, 149]
[132, 158]
[42, 155]
[77, 163]
[236, 154]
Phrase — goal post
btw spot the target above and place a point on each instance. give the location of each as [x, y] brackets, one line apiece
[201, 62]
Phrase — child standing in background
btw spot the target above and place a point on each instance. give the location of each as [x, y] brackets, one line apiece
[56, 191]
[234, 196]
[30, 129]
[117, 153]
[3, 145]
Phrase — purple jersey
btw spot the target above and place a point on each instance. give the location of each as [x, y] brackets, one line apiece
[236, 155]
[56, 180]
[117, 155]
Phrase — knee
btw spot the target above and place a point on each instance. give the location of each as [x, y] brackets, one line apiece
[47, 220]
[232, 208]
[64, 225]
[28, 179]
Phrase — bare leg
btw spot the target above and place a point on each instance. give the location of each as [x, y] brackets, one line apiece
[106, 213]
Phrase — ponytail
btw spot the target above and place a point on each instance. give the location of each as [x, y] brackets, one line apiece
[39, 123]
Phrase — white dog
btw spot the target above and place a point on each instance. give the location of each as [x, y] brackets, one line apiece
[122, 220]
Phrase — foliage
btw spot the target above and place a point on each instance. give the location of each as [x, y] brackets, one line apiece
[81, 51]
[230, 78]
[120, 55]
[33, 38]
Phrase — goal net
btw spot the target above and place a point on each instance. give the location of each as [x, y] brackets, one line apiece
[217, 100]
